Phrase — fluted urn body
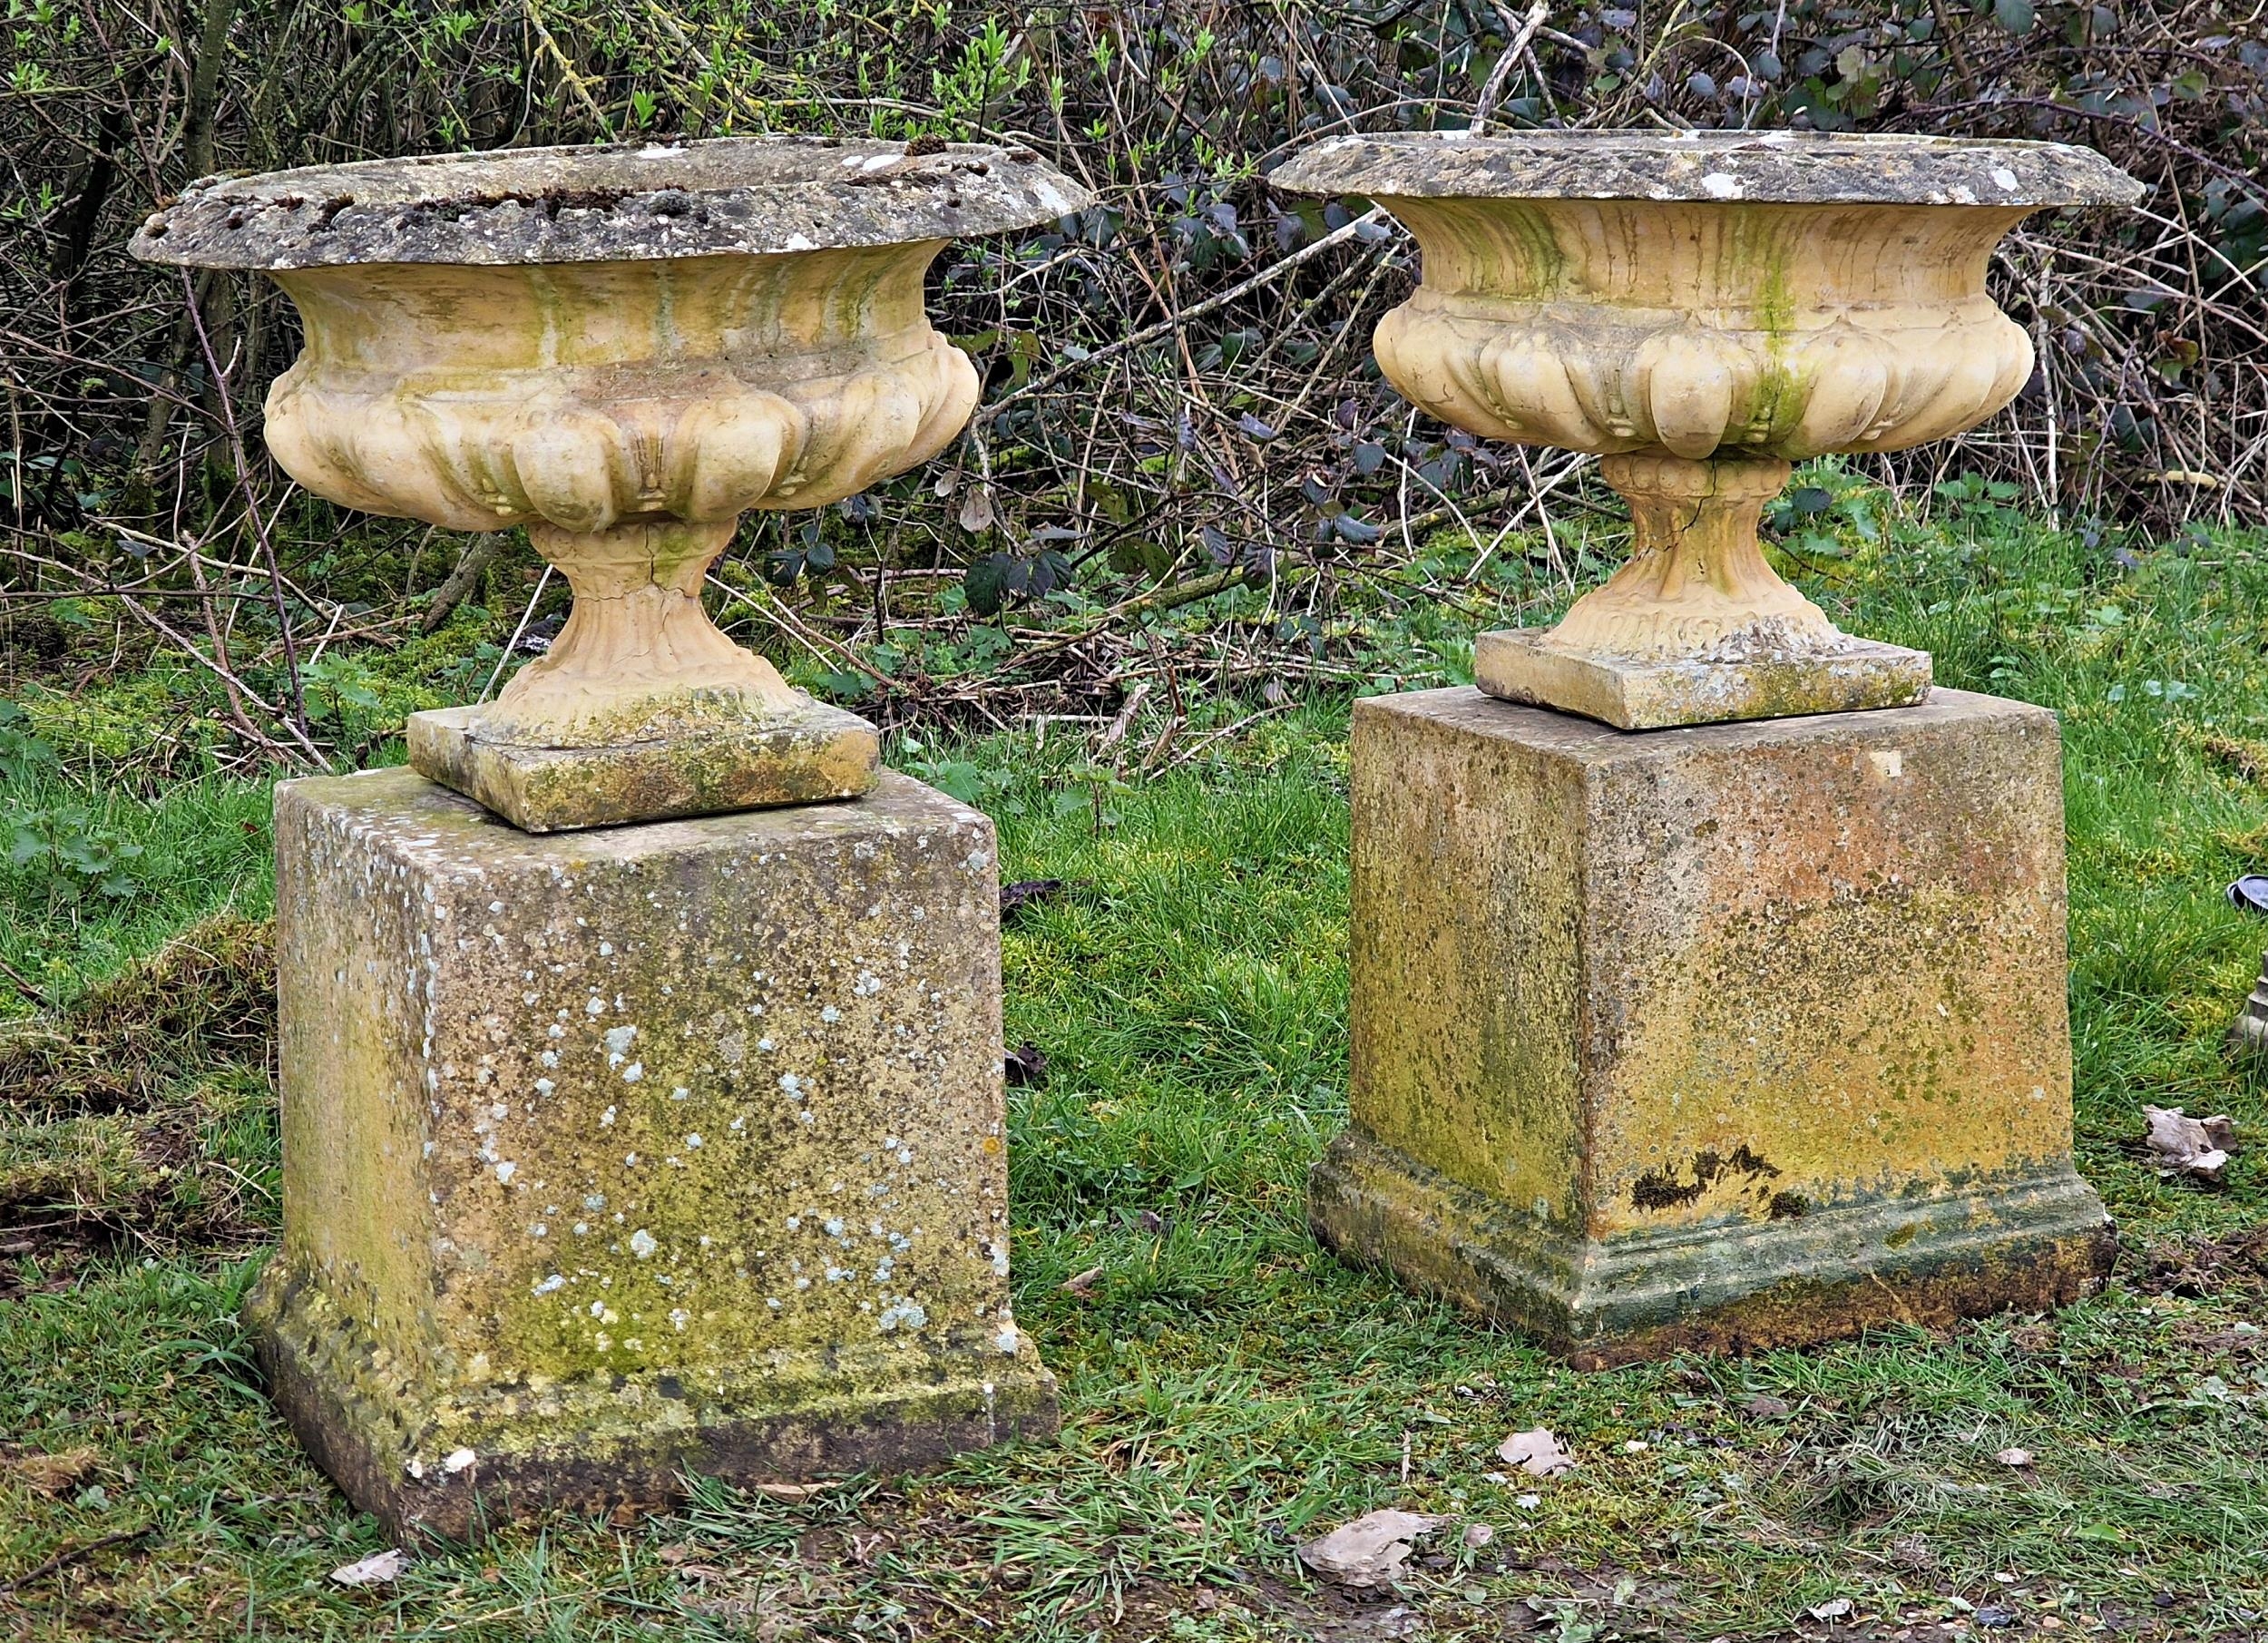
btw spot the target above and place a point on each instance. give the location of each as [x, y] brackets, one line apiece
[621, 348]
[1702, 309]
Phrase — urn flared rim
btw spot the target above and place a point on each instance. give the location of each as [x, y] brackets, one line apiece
[1771, 168]
[609, 202]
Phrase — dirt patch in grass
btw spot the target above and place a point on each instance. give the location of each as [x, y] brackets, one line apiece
[2226, 1268]
[143, 1114]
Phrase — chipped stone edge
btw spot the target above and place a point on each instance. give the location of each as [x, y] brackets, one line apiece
[503, 211]
[1766, 168]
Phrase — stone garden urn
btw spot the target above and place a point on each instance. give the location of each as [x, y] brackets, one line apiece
[622, 348]
[1702, 309]
[1734, 1035]
[616, 1157]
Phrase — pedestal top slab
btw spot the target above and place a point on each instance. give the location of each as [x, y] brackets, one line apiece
[430, 828]
[1593, 745]
[1531, 665]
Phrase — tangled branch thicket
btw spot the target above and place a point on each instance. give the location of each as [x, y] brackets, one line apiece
[1180, 400]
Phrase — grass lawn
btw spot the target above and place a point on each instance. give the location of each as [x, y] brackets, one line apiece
[1227, 1389]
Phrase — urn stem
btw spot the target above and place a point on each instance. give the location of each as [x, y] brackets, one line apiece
[1696, 576]
[639, 657]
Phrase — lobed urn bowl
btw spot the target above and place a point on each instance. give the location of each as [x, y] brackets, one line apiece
[1702, 309]
[622, 348]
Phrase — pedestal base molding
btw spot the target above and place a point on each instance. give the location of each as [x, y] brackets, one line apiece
[2028, 1242]
[588, 1448]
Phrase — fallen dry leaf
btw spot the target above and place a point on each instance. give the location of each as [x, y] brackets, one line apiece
[791, 1491]
[1370, 1551]
[51, 1474]
[1478, 1535]
[1537, 1454]
[2188, 1145]
[378, 1568]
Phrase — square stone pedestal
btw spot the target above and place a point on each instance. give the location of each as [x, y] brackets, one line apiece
[1736, 1036]
[614, 1156]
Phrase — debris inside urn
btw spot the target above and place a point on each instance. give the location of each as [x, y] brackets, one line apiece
[2188, 1145]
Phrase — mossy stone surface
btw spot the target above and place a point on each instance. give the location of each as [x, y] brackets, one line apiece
[616, 1154]
[1648, 1026]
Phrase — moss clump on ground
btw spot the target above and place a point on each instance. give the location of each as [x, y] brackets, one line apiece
[141, 1117]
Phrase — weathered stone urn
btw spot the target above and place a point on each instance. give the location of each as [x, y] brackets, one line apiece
[621, 348]
[1702, 309]
[1671, 1033]
[613, 1154]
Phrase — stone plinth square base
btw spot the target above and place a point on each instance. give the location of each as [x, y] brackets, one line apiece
[1647, 693]
[614, 1156]
[812, 756]
[1739, 1036]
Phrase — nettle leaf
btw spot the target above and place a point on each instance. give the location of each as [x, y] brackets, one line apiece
[2017, 16]
[958, 779]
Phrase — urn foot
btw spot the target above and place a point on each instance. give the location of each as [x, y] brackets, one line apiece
[801, 755]
[1729, 682]
[1697, 629]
